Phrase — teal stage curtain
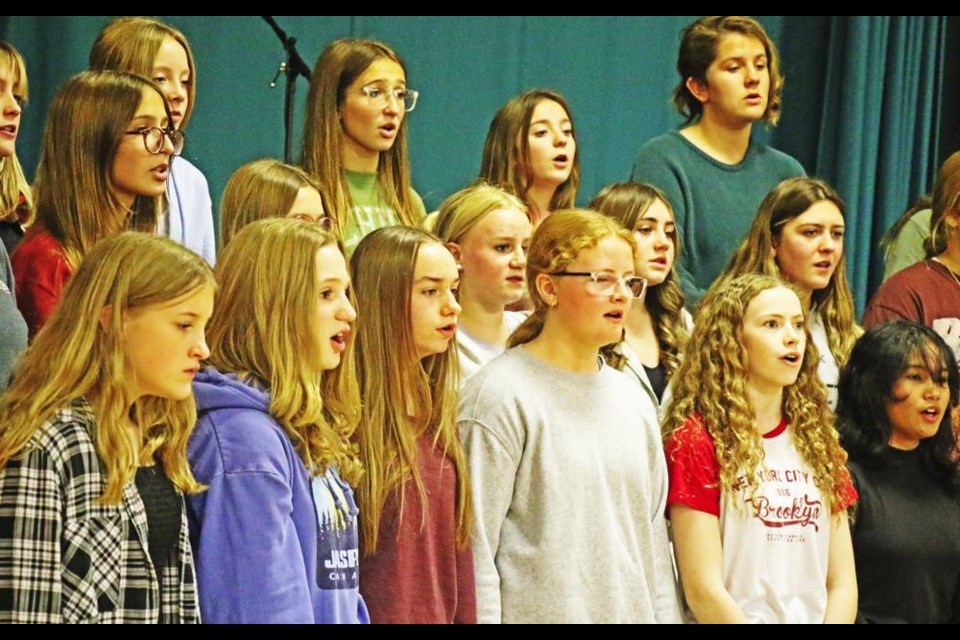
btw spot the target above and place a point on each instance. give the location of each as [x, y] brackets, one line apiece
[861, 104]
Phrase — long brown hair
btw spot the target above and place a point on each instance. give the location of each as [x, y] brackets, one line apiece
[403, 396]
[340, 64]
[75, 196]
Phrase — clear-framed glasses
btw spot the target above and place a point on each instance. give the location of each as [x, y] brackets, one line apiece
[378, 97]
[605, 284]
[153, 139]
[324, 222]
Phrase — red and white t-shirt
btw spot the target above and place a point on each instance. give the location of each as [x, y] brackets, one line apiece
[776, 549]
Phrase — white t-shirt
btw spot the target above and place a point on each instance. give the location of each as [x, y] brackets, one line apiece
[828, 370]
[475, 353]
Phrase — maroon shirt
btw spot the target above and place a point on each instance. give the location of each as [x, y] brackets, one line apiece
[41, 272]
[927, 293]
[418, 575]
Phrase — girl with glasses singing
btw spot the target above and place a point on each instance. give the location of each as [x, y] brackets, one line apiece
[657, 327]
[355, 137]
[415, 510]
[798, 235]
[758, 482]
[158, 52]
[566, 464]
[93, 461]
[103, 168]
[531, 152]
[275, 533]
[488, 231]
[268, 188]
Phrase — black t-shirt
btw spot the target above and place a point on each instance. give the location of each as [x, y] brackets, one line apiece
[164, 507]
[906, 543]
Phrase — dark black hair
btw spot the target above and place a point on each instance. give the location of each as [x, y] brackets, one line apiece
[876, 362]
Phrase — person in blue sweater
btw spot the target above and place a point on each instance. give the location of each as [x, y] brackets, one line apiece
[275, 534]
[711, 171]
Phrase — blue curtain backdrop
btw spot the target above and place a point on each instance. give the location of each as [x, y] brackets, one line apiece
[862, 100]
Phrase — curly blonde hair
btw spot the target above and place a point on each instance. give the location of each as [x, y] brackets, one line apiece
[711, 384]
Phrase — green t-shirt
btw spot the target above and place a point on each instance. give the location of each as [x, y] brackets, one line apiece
[371, 211]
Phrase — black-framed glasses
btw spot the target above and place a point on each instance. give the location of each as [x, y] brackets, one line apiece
[605, 284]
[378, 98]
[153, 139]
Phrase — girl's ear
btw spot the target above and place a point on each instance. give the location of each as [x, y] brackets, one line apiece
[547, 290]
[698, 90]
[455, 250]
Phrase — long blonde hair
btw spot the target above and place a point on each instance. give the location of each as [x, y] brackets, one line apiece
[555, 245]
[946, 201]
[261, 189]
[75, 196]
[13, 182]
[262, 330]
[711, 385]
[75, 355]
[340, 64]
[626, 202]
[403, 396]
[756, 254]
[131, 44]
[506, 152]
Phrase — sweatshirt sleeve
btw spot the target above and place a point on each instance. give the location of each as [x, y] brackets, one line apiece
[493, 471]
[652, 168]
[250, 565]
[666, 595]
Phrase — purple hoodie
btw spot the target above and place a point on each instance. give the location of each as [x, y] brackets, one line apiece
[272, 543]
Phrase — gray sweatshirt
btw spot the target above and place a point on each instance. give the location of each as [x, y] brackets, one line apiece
[569, 486]
[13, 329]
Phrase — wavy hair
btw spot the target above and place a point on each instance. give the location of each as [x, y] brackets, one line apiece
[131, 44]
[756, 254]
[946, 202]
[262, 330]
[340, 64]
[403, 396]
[866, 390]
[711, 385]
[75, 197]
[698, 50]
[626, 202]
[75, 355]
[555, 245]
[506, 152]
[265, 188]
[16, 200]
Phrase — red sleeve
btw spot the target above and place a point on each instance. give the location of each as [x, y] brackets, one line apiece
[895, 300]
[41, 272]
[693, 468]
[466, 612]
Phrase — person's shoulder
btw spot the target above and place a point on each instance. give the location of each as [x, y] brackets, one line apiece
[67, 437]
[186, 172]
[663, 145]
[499, 380]
[781, 161]
[239, 440]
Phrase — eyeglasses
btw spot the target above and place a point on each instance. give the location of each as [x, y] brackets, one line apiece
[324, 222]
[153, 139]
[378, 98]
[605, 284]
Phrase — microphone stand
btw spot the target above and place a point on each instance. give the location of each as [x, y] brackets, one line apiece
[293, 66]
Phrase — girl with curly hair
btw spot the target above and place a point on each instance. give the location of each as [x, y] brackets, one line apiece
[758, 483]
[656, 330]
[896, 396]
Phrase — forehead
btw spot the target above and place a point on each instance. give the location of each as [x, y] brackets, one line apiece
[382, 70]
[504, 221]
[171, 54]
[307, 199]
[821, 212]
[436, 261]
[776, 300]
[549, 110]
[738, 45]
[151, 104]
[331, 263]
[610, 253]
[657, 211]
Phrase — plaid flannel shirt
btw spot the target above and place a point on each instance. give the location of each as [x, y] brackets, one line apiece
[66, 558]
